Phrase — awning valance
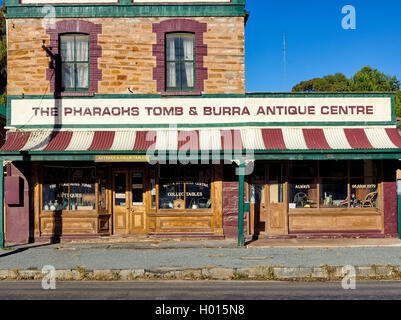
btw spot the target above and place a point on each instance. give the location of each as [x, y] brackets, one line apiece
[261, 139]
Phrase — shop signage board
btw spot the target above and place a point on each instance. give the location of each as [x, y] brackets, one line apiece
[122, 158]
[127, 112]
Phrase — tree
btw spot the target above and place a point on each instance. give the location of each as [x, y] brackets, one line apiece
[365, 80]
[3, 56]
[332, 83]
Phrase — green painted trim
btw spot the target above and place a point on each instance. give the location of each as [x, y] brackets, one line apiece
[208, 125]
[218, 155]
[126, 11]
[3, 111]
[16, 3]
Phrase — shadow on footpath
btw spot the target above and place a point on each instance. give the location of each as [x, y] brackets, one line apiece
[20, 250]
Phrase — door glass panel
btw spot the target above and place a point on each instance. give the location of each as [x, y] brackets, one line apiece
[257, 194]
[137, 189]
[120, 189]
[276, 183]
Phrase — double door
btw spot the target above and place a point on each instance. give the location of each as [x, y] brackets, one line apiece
[129, 202]
[268, 198]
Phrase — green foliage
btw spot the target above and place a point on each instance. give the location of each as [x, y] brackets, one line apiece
[365, 80]
[3, 56]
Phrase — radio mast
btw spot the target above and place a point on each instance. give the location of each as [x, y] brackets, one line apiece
[285, 65]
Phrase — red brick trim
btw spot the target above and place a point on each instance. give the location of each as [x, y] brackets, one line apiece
[74, 26]
[179, 25]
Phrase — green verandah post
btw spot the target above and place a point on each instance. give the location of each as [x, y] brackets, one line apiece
[241, 206]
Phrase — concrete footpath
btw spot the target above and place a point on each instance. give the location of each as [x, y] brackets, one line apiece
[148, 258]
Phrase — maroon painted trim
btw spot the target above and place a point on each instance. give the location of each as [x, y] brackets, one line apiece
[315, 139]
[95, 51]
[179, 25]
[273, 139]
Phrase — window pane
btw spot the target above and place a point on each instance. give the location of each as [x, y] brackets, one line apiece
[172, 75]
[333, 168]
[257, 194]
[82, 189]
[303, 193]
[137, 189]
[364, 193]
[68, 76]
[82, 75]
[67, 48]
[198, 195]
[304, 169]
[55, 173]
[276, 173]
[363, 168]
[55, 196]
[170, 172]
[187, 75]
[82, 196]
[171, 194]
[82, 48]
[188, 46]
[120, 189]
[172, 47]
[334, 193]
[153, 187]
[102, 186]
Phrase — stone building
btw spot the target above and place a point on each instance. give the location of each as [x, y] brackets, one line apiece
[130, 117]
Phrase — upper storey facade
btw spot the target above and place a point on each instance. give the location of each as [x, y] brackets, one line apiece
[147, 47]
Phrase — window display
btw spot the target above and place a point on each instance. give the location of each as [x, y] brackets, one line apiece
[187, 187]
[333, 184]
[68, 188]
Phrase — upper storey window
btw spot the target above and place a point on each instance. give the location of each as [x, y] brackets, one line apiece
[75, 62]
[180, 62]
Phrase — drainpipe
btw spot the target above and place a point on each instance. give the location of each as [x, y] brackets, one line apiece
[2, 204]
[241, 206]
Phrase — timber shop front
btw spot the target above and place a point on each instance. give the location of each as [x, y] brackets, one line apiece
[121, 123]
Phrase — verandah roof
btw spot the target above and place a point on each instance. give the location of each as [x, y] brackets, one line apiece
[258, 139]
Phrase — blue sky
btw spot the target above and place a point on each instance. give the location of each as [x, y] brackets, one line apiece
[316, 43]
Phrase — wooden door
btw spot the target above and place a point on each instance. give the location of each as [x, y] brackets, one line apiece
[257, 199]
[277, 221]
[137, 202]
[121, 202]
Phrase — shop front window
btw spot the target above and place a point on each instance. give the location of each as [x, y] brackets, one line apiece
[69, 189]
[303, 193]
[186, 187]
[334, 193]
[333, 184]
